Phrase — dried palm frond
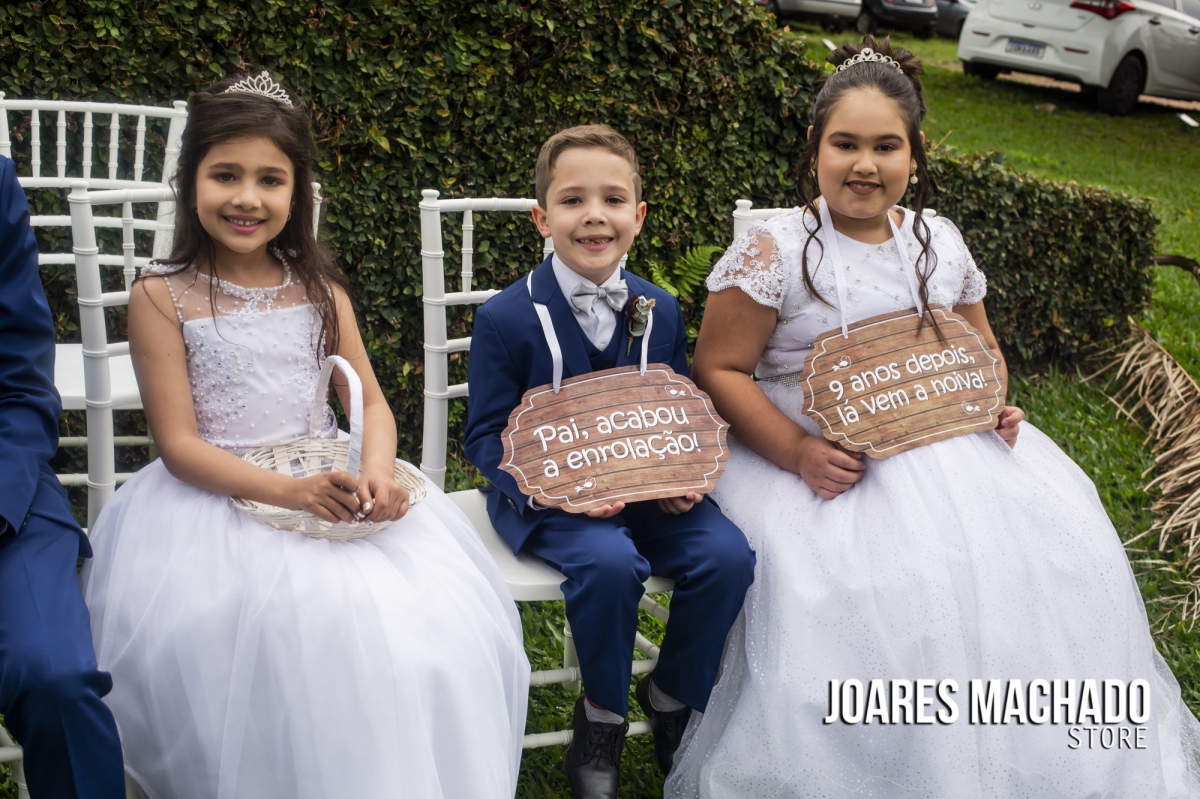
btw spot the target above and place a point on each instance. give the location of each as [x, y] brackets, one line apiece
[1153, 387]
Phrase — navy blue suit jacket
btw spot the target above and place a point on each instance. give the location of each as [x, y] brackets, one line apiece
[509, 356]
[29, 403]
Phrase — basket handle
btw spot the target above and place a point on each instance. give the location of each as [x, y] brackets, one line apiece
[317, 413]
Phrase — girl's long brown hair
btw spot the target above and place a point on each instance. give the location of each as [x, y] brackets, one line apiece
[215, 117]
[903, 87]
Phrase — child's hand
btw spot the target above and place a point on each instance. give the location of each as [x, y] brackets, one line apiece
[1010, 418]
[678, 505]
[827, 468]
[329, 496]
[606, 511]
[383, 499]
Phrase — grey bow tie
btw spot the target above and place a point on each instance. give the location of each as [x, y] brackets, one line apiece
[616, 295]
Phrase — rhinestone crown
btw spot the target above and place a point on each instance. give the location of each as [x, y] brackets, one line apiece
[262, 84]
[865, 56]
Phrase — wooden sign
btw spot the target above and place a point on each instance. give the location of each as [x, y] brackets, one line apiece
[615, 435]
[887, 389]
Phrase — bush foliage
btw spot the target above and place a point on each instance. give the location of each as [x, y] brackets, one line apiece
[1065, 264]
[458, 96]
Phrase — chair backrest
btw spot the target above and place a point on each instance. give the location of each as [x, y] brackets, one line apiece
[744, 213]
[438, 391]
[92, 302]
[81, 116]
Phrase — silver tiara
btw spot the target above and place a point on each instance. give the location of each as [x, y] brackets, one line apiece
[866, 55]
[262, 84]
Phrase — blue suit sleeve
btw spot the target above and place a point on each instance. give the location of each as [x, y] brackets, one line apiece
[494, 390]
[29, 403]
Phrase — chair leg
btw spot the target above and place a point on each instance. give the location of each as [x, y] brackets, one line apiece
[19, 779]
[570, 657]
[11, 753]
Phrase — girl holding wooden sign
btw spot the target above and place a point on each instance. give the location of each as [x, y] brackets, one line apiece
[973, 558]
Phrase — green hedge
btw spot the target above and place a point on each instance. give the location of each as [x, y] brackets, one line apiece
[455, 96]
[458, 96]
[1066, 264]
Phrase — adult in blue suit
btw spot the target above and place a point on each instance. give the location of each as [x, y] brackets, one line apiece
[50, 688]
[589, 201]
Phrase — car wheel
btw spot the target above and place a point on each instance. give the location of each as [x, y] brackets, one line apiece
[979, 70]
[866, 22]
[1121, 95]
[773, 8]
[959, 30]
[927, 33]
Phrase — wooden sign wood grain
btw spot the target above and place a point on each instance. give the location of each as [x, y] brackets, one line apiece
[615, 435]
[887, 389]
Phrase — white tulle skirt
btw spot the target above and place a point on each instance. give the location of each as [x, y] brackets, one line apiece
[254, 663]
[960, 560]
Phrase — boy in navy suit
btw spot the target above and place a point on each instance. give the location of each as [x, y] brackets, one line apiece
[50, 688]
[589, 200]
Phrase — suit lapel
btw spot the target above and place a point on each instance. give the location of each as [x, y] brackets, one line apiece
[570, 335]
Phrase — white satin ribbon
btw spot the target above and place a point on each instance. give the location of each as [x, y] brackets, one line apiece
[839, 278]
[551, 338]
[646, 338]
[316, 414]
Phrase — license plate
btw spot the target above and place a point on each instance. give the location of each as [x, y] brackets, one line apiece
[1025, 48]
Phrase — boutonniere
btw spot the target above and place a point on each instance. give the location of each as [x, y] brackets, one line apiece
[637, 313]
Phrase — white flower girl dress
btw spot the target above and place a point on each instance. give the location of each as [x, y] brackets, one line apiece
[961, 560]
[251, 662]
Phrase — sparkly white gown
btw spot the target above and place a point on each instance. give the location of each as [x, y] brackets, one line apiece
[962, 559]
[254, 663]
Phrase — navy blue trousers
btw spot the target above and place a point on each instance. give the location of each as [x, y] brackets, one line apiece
[606, 561]
[50, 688]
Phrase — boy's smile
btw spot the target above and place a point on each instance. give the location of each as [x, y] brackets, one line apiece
[593, 213]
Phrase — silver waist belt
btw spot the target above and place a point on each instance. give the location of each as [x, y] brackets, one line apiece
[791, 379]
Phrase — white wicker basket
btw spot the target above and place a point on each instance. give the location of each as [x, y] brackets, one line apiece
[315, 455]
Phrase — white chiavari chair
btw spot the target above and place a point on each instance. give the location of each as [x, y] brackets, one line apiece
[529, 578]
[123, 166]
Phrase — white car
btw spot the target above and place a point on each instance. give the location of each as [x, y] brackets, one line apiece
[836, 14]
[1116, 49]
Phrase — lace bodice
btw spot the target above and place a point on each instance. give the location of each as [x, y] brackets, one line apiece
[253, 357]
[766, 263]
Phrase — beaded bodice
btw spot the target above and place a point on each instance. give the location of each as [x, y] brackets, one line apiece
[253, 358]
[766, 262]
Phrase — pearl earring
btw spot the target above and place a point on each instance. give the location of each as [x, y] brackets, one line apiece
[913, 179]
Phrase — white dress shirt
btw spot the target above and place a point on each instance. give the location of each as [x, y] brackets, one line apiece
[600, 322]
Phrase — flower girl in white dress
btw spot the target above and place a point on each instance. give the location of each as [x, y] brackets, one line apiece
[248, 661]
[978, 557]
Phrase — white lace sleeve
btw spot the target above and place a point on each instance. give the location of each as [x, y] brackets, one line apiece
[974, 286]
[753, 264]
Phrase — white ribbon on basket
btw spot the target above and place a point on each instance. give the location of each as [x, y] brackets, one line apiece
[317, 414]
